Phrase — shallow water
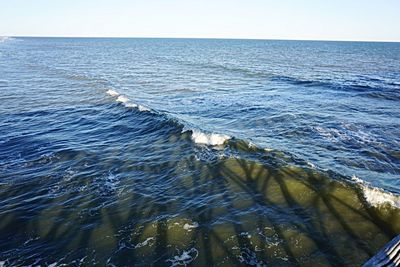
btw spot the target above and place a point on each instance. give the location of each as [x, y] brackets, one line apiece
[204, 152]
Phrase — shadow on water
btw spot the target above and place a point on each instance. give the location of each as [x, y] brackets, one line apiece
[148, 196]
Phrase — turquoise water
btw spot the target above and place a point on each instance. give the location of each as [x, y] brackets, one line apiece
[194, 151]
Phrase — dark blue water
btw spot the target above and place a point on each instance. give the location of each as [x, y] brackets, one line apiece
[164, 151]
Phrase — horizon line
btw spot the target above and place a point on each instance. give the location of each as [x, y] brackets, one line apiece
[204, 38]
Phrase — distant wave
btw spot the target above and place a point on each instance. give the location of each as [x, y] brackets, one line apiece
[364, 84]
[225, 68]
[5, 39]
[394, 96]
[368, 85]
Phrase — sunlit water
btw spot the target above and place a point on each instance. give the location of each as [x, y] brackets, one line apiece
[125, 152]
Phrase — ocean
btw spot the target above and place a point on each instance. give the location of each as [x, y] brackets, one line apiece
[169, 152]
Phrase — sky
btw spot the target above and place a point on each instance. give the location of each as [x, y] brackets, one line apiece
[357, 20]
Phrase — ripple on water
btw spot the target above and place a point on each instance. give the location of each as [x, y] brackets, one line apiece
[121, 170]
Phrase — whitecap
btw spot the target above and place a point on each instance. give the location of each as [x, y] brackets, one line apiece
[122, 99]
[143, 108]
[212, 139]
[376, 196]
[252, 145]
[311, 165]
[112, 92]
[131, 105]
[125, 100]
[356, 179]
[189, 227]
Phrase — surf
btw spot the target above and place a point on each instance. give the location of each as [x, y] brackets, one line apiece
[374, 196]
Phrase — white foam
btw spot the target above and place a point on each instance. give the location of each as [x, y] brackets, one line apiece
[375, 196]
[189, 227]
[143, 108]
[347, 133]
[357, 180]
[311, 165]
[212, 139]
[131, 105]
[122, 99]
[125, 100]
[145, 243]
[378, 197]
[185, 258]
[252, 145]
[112, 92]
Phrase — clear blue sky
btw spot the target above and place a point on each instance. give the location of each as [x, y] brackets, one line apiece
[377, 20]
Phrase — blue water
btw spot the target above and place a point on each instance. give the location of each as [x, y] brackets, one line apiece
[102, 137]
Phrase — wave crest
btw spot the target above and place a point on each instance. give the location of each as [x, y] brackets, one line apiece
[112, 92]
[143, 108]
[125, 100]
[198, 137]
[212, 139]
[375, 196]
[122, 99]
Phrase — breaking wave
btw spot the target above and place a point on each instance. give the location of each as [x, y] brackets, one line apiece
[126, 101]
[198, 136]
[376, 197]
[212, 139]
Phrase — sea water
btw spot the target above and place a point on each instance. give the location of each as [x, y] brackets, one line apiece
[197, 152]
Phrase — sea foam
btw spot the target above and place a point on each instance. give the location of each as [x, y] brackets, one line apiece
[143, 108]
[146, 242]
[122, 99]
[189, 227]
[125, 101]
[212, 139]
[131, 105]
[112, 92]
[375, 196]
[185, 258]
